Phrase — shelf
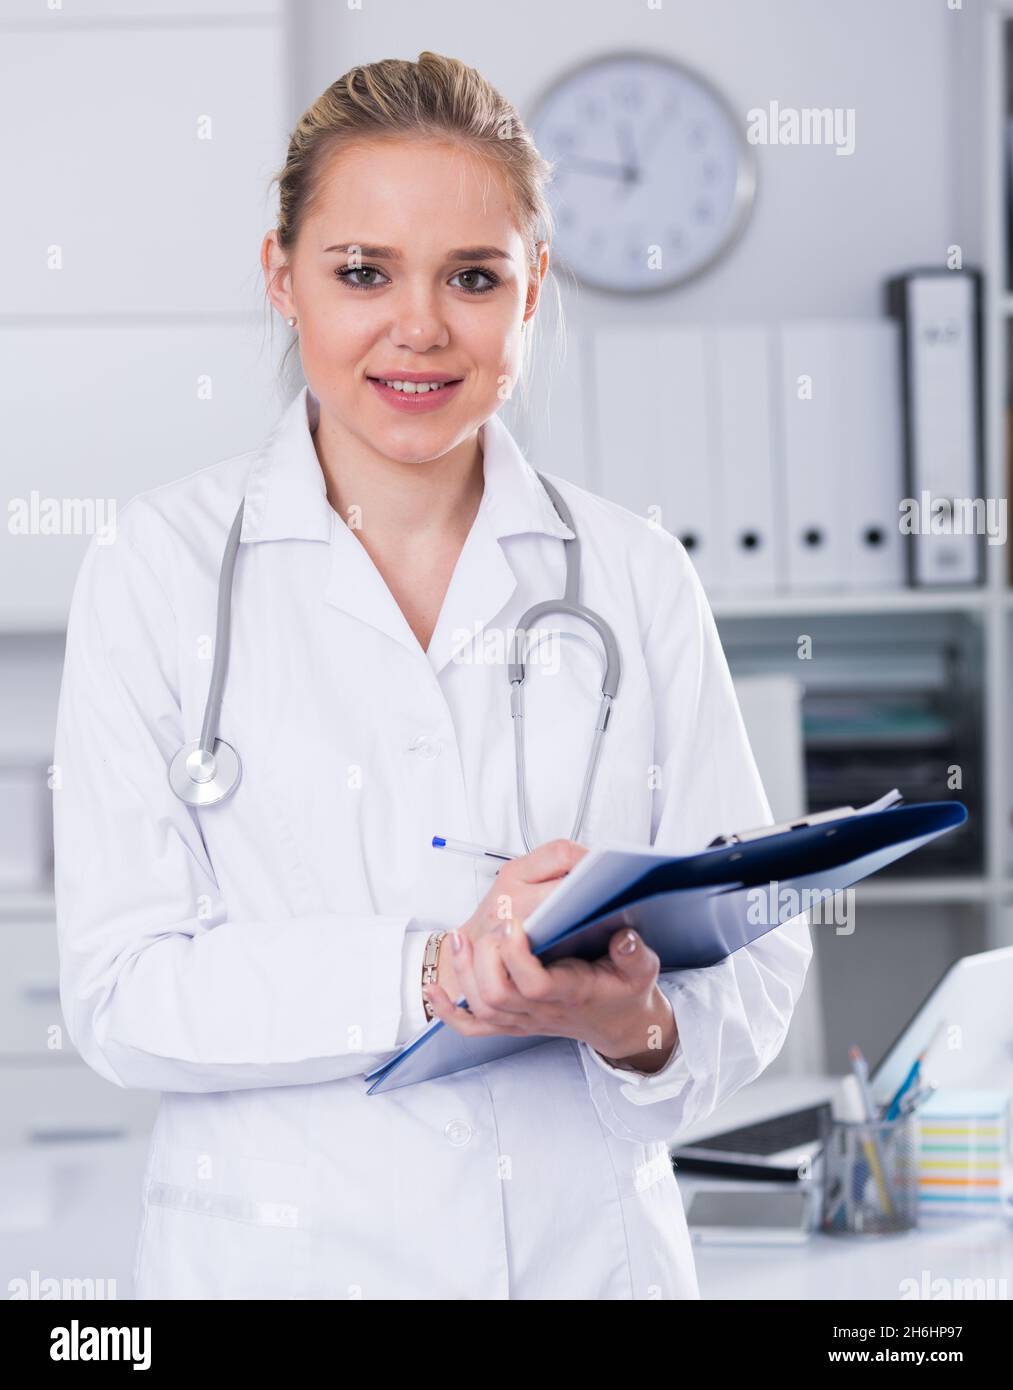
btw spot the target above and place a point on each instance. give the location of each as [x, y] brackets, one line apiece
[39, 902]
[970, 600]
[752, 605]
[925, 890]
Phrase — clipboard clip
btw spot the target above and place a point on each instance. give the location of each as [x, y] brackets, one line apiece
[838, 813]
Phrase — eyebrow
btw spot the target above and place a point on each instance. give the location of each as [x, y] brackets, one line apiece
[389, 253]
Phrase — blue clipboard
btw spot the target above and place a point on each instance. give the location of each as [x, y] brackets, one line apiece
[696, 910]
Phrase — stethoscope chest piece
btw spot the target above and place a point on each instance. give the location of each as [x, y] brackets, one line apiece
[201, 779]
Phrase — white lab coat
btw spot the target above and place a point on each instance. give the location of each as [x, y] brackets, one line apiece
[252, 960]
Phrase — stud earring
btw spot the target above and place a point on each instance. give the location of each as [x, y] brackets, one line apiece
[291, 321]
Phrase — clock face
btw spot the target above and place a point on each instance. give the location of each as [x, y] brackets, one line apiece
[653, 176]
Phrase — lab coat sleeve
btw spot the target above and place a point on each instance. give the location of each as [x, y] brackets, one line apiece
[733, 1017]
[160, 987]
[413, 1014]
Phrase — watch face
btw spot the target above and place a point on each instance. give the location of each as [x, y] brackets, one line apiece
[653, 177]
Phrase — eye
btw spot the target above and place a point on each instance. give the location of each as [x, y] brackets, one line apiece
[478, 289]
[347, 271]
[375, 277]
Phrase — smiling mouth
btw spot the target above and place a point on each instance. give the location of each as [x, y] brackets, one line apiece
[413, 388]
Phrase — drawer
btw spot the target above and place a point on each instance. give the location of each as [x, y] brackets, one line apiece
[26, 827]
[30, 988]
[61, 1099]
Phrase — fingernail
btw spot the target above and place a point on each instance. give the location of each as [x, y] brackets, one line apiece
[628, 944]
[505, 928]
[455, 942]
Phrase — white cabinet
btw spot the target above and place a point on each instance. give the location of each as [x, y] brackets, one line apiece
[47, 1094]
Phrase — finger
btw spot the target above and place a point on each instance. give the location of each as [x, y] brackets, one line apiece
[525, 883]
[520, 899]
[470, 986]
[461, 1020]
[633, 959]
[549, 861]
[497, 988]
[530, 977]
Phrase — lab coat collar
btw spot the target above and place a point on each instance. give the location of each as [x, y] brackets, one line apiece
[286, 498]
[286, 495]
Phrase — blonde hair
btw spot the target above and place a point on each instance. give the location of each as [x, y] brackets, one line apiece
[435, 98]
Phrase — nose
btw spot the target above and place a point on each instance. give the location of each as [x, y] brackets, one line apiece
[418, 324]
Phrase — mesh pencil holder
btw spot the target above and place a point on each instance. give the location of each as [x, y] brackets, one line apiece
[870, 1177]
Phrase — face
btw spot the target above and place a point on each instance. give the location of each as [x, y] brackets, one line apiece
[409, 269]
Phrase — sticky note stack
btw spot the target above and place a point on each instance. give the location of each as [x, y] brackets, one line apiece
[963, 1152]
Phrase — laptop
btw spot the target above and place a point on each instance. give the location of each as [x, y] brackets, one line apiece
[974, 1048]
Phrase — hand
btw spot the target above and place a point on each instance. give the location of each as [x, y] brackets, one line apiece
[520, 885]
[613, 1004]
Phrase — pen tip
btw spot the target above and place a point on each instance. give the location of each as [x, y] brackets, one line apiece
[438, 842]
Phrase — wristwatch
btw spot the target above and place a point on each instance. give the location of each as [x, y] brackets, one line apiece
[430, 967]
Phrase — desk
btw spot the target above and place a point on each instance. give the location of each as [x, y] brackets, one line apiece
[976, 1248]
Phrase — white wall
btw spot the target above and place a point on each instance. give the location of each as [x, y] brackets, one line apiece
[160, 284]
[826, 229]
[132, 323]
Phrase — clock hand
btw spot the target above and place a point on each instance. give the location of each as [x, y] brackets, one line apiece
[624, 136]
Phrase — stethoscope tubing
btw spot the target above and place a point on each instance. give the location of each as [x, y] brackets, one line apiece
[208, 771]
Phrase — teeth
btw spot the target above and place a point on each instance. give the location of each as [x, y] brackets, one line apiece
[414, 387]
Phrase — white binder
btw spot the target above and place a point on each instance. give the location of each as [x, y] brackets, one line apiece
[872, 448]
[654, 433]
[749, 546]
[940, 326]
[842, 455]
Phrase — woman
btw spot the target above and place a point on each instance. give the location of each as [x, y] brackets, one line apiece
[253, 959]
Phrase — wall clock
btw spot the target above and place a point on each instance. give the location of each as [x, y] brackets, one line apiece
[654, 179]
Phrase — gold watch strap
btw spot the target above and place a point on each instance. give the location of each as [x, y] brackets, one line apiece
[431, 966]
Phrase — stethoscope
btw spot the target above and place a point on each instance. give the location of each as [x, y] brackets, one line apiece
[208, 770]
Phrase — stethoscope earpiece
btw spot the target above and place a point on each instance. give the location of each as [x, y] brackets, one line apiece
[202, 779]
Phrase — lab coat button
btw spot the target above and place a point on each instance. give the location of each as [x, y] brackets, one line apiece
[426, 747]
[458, 1132]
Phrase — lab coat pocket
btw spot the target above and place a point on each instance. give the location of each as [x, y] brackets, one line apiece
[249, 1236]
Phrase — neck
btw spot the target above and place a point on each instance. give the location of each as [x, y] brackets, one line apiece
[397, 506]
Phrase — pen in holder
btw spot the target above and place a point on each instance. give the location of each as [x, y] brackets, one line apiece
[870, 1176]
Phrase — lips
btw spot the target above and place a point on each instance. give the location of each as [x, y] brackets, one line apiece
[441, 378]
[416, 392]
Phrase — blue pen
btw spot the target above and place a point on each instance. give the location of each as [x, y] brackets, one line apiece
[915, 1101]
[893, 1109]
[477, 851]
